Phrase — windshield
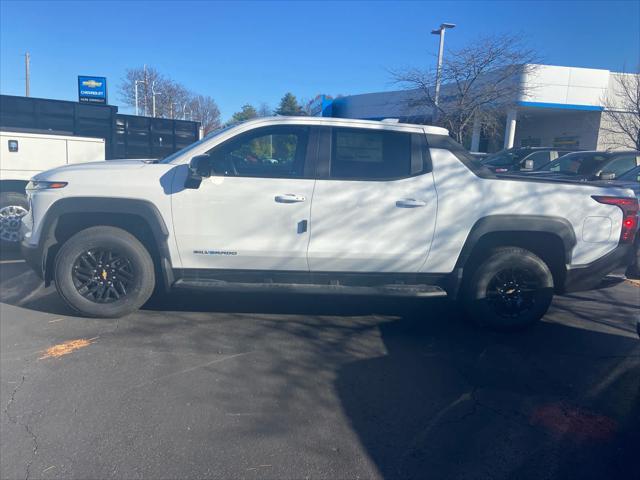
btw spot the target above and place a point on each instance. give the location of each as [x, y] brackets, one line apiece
[195, 145]
[505, 158]
[633, 175]
[576, 164]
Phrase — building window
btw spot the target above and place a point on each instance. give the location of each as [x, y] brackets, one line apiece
[567, 142]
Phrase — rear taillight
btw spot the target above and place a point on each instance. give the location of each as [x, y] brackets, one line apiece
[629, 207]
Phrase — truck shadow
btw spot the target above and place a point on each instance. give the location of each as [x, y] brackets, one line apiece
[422, 393]
[446, 402]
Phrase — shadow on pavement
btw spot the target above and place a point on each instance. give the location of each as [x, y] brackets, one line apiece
[9, 253]
[556, 402]
[425, 394]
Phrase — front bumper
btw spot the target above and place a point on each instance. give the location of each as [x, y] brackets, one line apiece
[587, 277]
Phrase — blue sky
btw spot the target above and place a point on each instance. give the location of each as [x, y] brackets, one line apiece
[254, 52]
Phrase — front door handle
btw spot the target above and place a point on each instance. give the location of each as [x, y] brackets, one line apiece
[410, 203]
[290, 198]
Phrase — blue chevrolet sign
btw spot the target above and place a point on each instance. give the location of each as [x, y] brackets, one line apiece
[92, 89]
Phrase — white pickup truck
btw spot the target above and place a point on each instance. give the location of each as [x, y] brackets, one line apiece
[327, 205]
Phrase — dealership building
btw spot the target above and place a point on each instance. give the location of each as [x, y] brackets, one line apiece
[560, 106]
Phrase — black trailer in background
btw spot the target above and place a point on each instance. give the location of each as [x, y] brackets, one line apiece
[146, 137]
[126, 136]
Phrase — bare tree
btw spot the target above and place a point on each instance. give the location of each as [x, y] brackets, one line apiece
[621, 115]
[173, 100]
[170, 95]
[264, 110]
[204, 109]
[146, 77]
[480, 80]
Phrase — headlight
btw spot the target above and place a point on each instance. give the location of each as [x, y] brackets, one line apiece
[40, 185]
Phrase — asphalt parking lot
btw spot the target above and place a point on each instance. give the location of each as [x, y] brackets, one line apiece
[245, 386]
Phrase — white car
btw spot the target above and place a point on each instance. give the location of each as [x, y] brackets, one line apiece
[350, 206]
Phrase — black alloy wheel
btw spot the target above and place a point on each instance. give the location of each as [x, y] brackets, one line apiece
[103, 275]
[104, 271]
[512, 291]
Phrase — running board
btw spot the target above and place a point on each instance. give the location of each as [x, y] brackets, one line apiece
[383, 290]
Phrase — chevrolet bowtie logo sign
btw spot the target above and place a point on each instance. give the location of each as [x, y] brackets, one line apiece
[92, 89]
[91, 84]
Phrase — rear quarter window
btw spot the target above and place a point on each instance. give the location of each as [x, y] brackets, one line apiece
[447, 143]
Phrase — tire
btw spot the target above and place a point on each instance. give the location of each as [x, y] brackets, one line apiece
[104, 272]
[13, 206]
[510, 290]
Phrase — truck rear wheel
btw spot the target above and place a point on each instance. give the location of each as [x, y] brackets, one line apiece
[13, 206]
[510, 290]
[104, 272]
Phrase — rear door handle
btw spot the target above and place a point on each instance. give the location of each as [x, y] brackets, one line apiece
[290, 198]
[410, 203]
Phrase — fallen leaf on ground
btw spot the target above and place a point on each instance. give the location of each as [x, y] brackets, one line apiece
[66, 348]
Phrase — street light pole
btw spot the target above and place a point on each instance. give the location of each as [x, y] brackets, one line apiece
[440, 31]
[153, 97]
[184, 112]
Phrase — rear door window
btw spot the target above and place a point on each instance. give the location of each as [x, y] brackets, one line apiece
[363, 154]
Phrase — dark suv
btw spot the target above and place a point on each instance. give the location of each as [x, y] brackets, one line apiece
[513, 159]
[631, 180]
[586, 166]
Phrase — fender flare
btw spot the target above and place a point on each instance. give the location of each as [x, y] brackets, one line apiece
[509, 223]
[519, 223]
[107, 205]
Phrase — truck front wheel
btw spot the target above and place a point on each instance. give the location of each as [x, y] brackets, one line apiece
[13, 206]
[104, 272]
[510, 290]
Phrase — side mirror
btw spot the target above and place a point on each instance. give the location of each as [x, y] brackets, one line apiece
[528, 165]
[607, 176]
[200, 166]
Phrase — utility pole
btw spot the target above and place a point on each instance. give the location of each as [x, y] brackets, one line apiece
[440, 31]
[27, 78]
[137, 82]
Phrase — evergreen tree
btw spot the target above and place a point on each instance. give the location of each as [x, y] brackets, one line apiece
[246, 113]
[289, 106]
